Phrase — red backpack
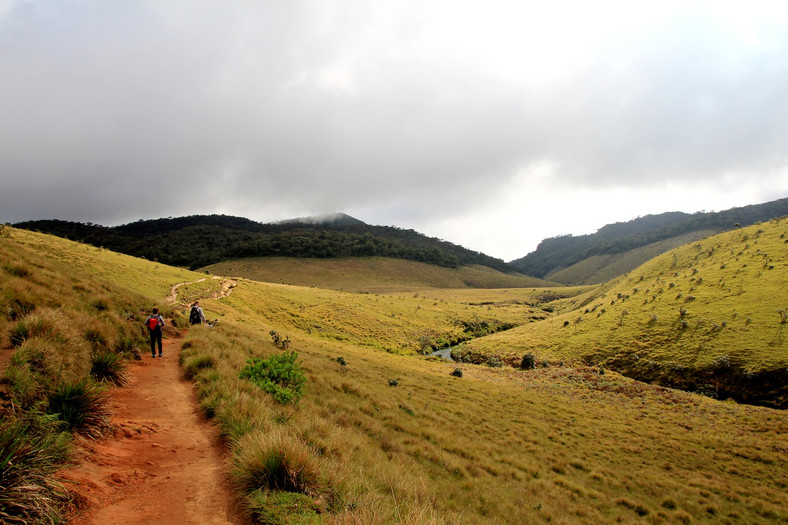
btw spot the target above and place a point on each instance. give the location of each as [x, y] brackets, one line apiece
[153, 322]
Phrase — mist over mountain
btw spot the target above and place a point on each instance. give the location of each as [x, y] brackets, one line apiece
[331, 219]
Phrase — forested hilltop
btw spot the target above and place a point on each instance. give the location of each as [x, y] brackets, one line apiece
[562, 252]
[200, 240]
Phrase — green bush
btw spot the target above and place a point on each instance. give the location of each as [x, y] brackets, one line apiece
[528, 362]
[279, 375]
[457, 372]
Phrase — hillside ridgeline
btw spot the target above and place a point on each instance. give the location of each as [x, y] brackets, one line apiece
[617, 248]
[202, 240]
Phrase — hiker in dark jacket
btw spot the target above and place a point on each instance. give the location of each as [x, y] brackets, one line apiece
[154, 323]
[196, 316]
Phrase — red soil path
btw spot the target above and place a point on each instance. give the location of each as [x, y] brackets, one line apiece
[164, 463]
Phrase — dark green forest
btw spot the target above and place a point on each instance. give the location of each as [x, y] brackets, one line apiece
[560, 252]
[200, 240]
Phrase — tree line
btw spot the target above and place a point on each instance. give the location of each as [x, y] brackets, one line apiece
[200, 240]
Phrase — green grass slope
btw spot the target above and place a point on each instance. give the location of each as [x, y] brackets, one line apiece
[598, 269]
[369, 274]
[707, 316]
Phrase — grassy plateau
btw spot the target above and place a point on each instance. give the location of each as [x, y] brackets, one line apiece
[366, 429]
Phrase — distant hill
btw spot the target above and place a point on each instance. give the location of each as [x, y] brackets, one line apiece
[370, 274]
[201, 240]
[625, 245]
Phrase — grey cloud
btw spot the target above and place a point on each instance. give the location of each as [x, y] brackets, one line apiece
[115, 111]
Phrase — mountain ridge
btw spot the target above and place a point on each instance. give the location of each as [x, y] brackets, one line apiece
[201, 240]
[559, 253]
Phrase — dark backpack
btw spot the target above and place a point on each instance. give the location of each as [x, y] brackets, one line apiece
[194, 316]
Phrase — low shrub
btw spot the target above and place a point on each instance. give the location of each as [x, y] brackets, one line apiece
[279, 341]
[494, 362]
[528, 362]
[82, 406]
[279, 375]
[108, 367]
[457, 372]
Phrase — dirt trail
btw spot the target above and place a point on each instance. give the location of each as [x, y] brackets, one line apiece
[164, 464]
[227, 288]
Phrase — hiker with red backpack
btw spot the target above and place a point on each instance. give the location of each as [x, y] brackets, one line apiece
[154, 323]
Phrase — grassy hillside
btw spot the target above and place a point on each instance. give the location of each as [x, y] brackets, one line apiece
[709, 316]
[369, 274]
[555, 254]
[379, 437]
[602, 268]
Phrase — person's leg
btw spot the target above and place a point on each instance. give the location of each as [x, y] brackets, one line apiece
[153, 343]
[159, 339]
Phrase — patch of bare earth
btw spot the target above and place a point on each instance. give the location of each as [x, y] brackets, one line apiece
[163, 464]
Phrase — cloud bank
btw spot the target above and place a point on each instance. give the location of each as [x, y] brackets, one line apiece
[490, 125]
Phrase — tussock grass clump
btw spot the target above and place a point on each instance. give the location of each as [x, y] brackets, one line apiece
[281, 478]
[275, 461]
[29, 454]
[82, 406]
[108, 367]
[241, 412]
[17, 270]
[33, 326]
[193, 365]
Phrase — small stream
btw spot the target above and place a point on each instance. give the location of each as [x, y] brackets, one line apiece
[444, 353]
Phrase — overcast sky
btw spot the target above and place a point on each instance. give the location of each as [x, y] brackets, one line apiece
[489, 124]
